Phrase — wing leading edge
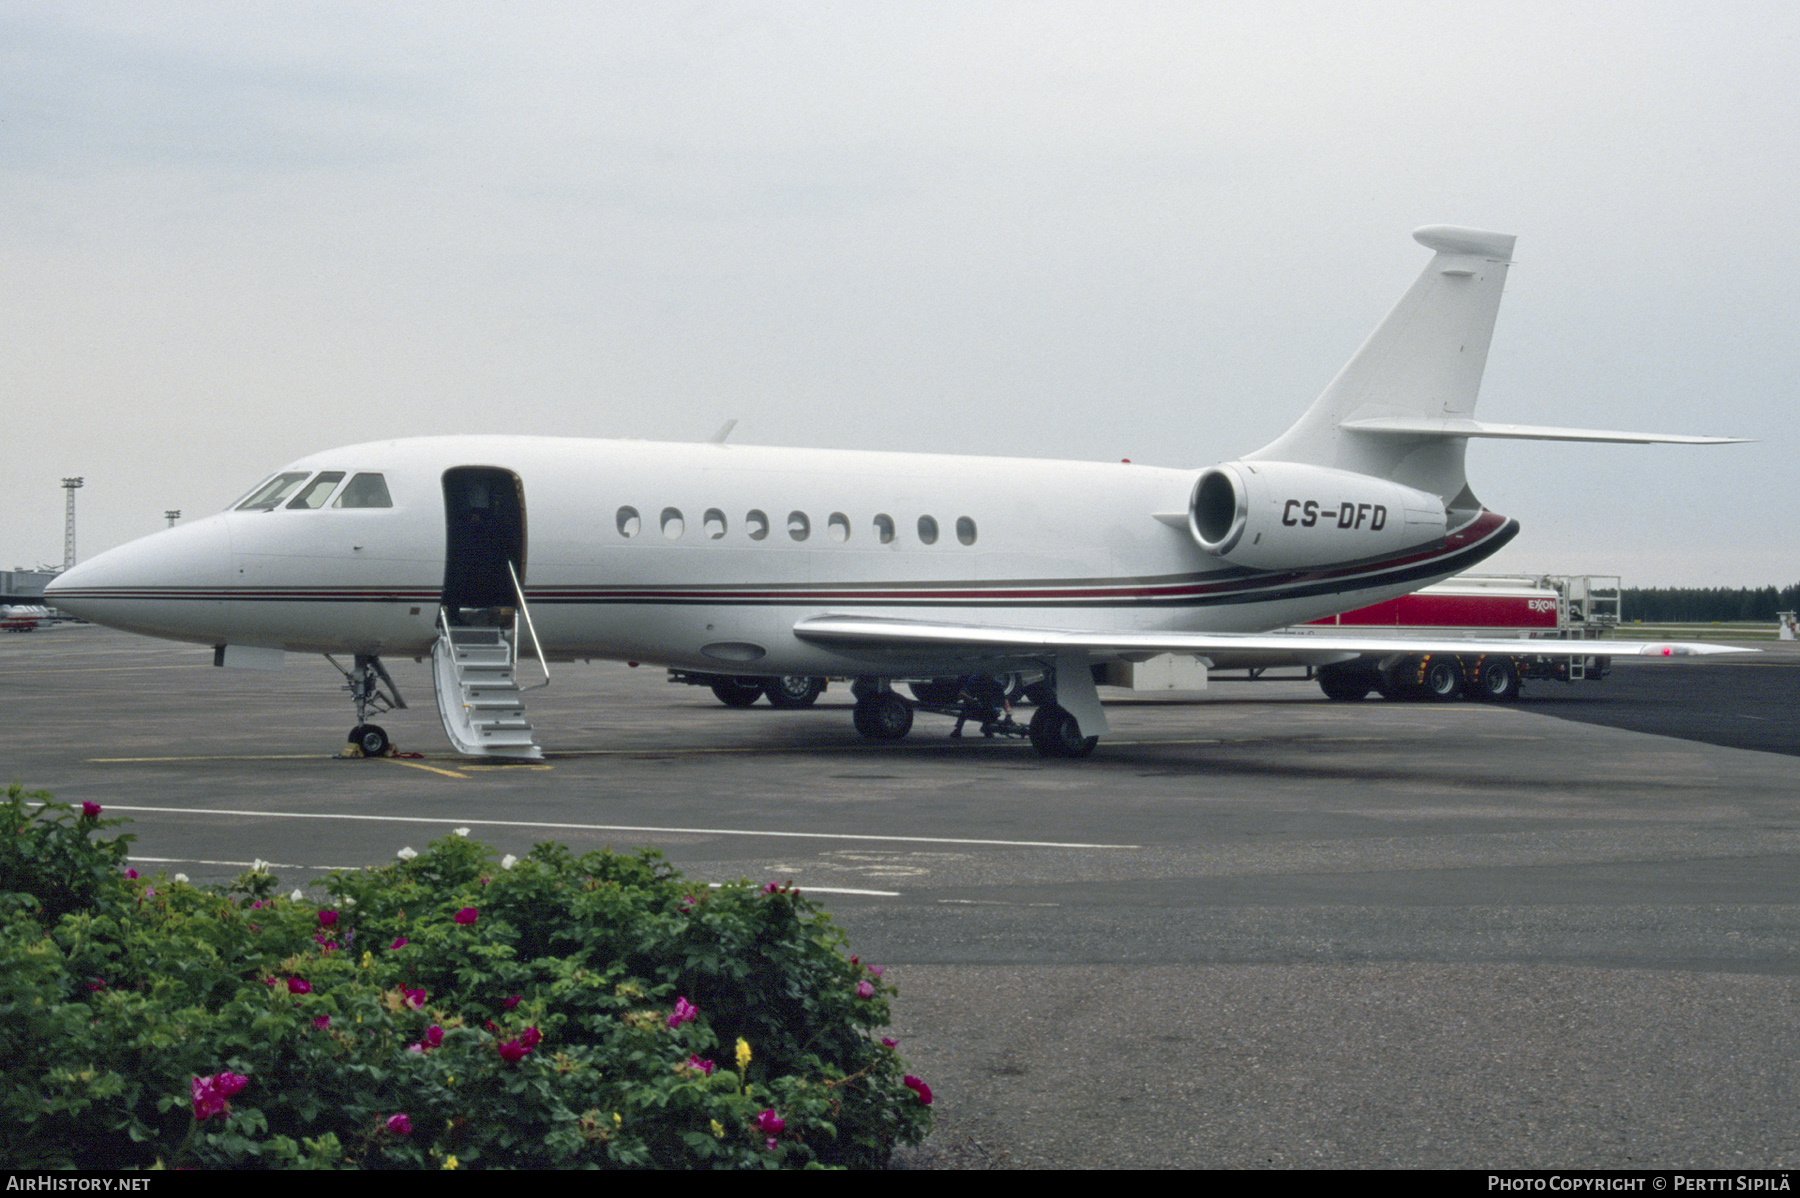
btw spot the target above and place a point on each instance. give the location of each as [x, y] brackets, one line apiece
[977, 641]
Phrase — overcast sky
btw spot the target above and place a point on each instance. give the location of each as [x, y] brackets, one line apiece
[238, 233]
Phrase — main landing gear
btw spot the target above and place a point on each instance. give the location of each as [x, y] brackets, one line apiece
[881, 713]
[372, 691]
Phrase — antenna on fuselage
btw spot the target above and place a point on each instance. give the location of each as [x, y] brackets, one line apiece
[718, 438]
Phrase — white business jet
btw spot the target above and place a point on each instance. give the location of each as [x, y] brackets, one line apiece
[758, 562]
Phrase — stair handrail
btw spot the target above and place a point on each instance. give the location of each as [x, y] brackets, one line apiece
[530, 627]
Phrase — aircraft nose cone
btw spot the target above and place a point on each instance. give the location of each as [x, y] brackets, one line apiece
[164, 584]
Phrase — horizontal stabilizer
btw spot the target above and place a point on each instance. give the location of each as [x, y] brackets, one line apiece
[886, 634]
[1428, 426]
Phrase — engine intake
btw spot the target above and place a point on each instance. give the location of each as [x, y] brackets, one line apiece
[1286, 515]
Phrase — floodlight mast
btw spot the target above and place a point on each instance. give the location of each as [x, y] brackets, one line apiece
[71, 485]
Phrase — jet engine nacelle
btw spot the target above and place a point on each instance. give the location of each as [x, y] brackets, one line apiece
[1286, 515]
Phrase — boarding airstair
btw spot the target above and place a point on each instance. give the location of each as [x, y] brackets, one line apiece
[474, 670]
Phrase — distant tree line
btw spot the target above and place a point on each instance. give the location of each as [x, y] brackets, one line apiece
[1664, 605]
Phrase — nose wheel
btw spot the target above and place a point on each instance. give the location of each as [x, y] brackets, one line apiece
[370, 740]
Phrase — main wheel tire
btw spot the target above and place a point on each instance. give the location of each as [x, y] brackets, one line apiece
[1496, 680]
[1440, 678]
[1056, 733]
[740, 692]
[371, 739]
[886, 716]
[794, 690]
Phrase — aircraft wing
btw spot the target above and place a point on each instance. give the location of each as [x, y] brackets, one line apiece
[883, 633]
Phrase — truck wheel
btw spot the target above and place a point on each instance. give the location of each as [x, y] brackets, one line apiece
[939, 691]
[1496, 680]
[1440, 678]
[1401, 680]
[1348, 686]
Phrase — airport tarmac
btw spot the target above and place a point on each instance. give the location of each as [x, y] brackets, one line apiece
[1256, 928]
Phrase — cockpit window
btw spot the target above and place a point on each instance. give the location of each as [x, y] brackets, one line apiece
[365, 490]
[271, 493]
[315, 493]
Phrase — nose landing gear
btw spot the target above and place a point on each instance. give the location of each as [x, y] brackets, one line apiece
[372, 691]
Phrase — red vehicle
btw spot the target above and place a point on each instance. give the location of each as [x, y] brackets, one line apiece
[1537, 609]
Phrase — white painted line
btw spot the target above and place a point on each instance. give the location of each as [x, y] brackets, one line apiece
[630, 828]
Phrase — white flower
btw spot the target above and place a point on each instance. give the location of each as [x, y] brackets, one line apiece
[181, 877]
[461, 832]
[259, 866]
[297, 895]
[406, 854]
[508, 861]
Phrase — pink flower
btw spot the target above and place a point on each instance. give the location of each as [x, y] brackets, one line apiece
[399, 942]
[687, 903]
[210, 1093]
[90, 811]
[97, 984]
[132, 874]
[917, 1087]
[321, 1021]
[770, 1124]
[877, 970]
[328, 919]
[511, 1001]
[685, 1012]
[512, 1052]
[467, 916]
[706, 1067]
[530, 1038]
[299, 986]
[399, 1124]
[414, 998]
[434, 1037]
[889, 1042]
[864, 990]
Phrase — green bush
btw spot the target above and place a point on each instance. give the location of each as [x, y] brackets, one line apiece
[444, 1011]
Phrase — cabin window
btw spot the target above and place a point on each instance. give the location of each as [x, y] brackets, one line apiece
[965, 530]
[364, 490]
[756, 524]
[315, 493]
[839, 527]
[928, 531]
[884, 529]
[714, 523]
[672, 523]
[629, 522]
[799, 527]
[271, 493]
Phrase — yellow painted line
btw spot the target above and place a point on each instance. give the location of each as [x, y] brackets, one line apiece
[419, 765]
[265, 757]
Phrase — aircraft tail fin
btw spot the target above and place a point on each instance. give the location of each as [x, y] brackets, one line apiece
[1422, 365]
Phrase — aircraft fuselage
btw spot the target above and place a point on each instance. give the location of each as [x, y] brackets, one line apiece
[705, 556]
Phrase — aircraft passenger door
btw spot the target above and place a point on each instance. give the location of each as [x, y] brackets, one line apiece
[484, 519]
